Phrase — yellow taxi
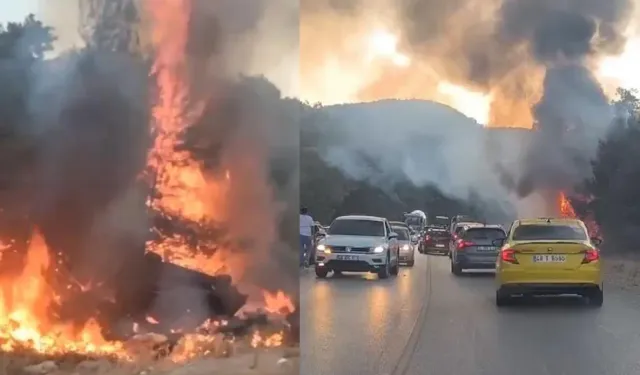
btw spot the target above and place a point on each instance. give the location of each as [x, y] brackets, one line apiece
[548, 256]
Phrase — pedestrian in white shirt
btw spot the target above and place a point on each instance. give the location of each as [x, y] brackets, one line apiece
[306, 233]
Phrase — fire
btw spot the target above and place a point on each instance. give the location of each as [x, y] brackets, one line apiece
[25, 321]
[566, 209]
[181, 187]
[278, 303]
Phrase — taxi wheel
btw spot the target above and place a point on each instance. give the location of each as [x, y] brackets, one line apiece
[321, 272]
[502, 299]
[596, 298]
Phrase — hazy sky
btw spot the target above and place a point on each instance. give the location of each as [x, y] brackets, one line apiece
[16, 10]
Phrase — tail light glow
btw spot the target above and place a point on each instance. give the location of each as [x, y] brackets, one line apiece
[591, 255]
[509, 256]
[461, 244]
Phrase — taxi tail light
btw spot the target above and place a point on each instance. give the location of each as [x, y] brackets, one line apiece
[461, 244]
[591, 255]
[509, 256]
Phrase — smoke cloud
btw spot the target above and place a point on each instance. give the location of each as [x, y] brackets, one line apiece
[534, 60]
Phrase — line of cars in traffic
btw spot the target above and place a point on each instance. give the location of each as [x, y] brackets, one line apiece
[540, 256]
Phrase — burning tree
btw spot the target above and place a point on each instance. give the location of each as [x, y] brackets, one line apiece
[115, 227]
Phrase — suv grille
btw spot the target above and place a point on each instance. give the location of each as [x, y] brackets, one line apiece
[343, 249]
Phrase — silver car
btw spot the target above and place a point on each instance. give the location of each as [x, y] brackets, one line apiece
[407, 246]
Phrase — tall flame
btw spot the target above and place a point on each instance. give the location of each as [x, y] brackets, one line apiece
[566, 209]
[182, 190]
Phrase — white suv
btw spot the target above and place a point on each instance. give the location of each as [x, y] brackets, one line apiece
[358, 244]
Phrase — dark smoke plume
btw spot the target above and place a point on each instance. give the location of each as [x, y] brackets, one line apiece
[535, 58]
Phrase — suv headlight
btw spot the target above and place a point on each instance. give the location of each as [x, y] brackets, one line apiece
[323, 248]
[378, 249]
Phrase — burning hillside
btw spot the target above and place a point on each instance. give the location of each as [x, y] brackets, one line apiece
[530, 64]
[115, 229]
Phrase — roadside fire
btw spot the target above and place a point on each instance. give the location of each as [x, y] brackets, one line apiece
[25, 319]
[567, 211]
[177, 290]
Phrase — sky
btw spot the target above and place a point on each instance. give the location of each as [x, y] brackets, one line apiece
[16, 10]
[622, 69]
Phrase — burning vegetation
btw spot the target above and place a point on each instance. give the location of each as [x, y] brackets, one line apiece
[113, 232]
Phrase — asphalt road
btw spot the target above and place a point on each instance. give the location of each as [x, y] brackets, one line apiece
[428, 322]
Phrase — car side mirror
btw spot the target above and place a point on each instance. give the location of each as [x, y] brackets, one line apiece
[596, 241]
[498, 242]
[393, 235]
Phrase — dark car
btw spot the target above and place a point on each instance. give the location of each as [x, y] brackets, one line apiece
[436, 240]
[475, 248]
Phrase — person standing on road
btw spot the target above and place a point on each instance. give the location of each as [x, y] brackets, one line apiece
[306, 232]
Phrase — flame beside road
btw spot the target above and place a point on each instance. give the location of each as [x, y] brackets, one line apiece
[183, 191]
[25, 320]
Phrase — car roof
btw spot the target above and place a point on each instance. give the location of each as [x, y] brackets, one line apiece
[361, 217]
[398, 223]
[487, 226]
[468, 224]
[549, 221]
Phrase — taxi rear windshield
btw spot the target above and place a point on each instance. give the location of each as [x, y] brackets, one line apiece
[484, 234]
[534, 232]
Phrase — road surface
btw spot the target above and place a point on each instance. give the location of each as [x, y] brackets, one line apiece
[428, 322]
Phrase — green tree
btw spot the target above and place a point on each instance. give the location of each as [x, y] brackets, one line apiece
[612, 189]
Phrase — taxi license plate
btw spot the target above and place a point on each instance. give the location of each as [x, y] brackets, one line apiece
[549, 258]
[439, 245]
[347, 257]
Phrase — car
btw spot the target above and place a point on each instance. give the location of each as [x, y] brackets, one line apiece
[399, 224]
[474, 248]
[552, 256]
[407, 246]
[455, 232]
[436, 240]
[358, 244]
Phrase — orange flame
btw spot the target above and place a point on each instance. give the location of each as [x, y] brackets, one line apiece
[278, 303]
[566, 209]
[24, 318]
[183, 189]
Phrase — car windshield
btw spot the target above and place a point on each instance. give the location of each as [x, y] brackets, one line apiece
[354, 227]
[439, 221]
[459, 229]
[474, 234]
[549, 233]
[403, 233]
